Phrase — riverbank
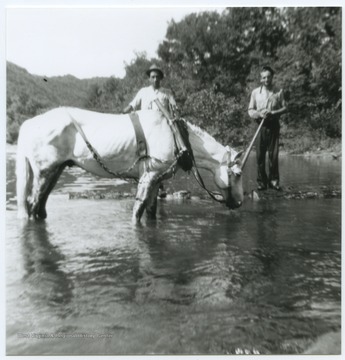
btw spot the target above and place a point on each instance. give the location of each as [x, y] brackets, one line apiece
[334, 151]
[288, 193]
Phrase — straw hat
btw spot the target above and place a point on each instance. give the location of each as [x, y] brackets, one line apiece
[155, 68]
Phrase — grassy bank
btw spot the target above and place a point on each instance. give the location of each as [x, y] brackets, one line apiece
[293, 141]
[306, 146]
[296, 146]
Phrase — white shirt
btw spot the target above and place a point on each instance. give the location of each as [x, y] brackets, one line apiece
[144, 99]
[263, 99]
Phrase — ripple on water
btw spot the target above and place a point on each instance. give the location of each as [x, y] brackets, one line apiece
[199, 280]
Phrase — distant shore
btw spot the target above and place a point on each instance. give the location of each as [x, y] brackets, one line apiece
[334, 153]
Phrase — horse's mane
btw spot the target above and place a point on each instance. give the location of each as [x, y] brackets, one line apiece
[203, 134]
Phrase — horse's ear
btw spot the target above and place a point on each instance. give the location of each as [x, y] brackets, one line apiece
[233, 155]
[238, 155]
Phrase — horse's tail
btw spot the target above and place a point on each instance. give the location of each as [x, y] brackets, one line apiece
[24, 176]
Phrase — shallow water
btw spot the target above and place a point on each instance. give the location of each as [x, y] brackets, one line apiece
[264, 279]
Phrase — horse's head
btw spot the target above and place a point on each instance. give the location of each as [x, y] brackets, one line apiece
[229, 179]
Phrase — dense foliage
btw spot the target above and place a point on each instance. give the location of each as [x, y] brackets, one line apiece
[212, 63]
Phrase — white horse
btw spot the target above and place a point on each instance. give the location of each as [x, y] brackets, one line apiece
[49, 142]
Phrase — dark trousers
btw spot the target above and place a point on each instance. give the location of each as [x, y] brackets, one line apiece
[268, 141]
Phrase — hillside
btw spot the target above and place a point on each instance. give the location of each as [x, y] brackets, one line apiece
[28, 95]
[52, 91]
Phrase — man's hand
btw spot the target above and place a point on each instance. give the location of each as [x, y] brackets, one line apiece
[267, 114]
[127, 109]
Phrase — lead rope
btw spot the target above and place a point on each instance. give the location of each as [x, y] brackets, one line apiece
[200, 181]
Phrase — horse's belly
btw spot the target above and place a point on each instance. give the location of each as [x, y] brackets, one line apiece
[109, 169]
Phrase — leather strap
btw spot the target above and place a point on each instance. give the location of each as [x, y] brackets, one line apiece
[139, 134]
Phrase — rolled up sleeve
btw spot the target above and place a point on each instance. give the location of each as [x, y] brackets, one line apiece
[252, 108]
[136, 102]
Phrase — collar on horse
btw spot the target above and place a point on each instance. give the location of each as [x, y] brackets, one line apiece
[139, 134]
[183, 152]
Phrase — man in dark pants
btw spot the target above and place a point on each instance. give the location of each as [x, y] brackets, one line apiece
[267, 102]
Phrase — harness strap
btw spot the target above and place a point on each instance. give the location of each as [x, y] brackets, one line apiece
[97, 157]
[181, 144]
[139, 134]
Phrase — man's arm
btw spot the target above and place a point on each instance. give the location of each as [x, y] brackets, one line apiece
[252, 111]
[127, 109]
[134, 104]
[282, 110]
[284, 107]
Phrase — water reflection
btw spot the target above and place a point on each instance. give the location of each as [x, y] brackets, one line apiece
[106, 276]
[267, 234]
[10, 183]
[199, 279]
[48, 285]
[184, 261]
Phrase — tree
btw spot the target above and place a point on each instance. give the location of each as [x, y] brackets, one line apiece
[220, 116]
[221, 48]
[310, 66]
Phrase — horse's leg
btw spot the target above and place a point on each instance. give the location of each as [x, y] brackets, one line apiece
[47, 187]
[151, 207]
[24, 177]
[44, 182]
[147, 184]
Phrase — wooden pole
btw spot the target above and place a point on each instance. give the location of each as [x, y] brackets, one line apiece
[246, 155]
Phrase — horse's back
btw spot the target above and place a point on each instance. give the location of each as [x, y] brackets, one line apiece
[115, 132]
[109, 134]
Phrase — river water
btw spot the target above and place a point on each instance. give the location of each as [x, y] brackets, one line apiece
[264, 279]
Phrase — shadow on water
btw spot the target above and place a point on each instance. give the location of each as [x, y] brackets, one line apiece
[48, 284]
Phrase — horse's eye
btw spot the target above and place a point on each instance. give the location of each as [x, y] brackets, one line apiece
[236, 170]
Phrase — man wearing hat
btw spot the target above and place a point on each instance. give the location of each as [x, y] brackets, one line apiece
[144, 99]
[267, 103]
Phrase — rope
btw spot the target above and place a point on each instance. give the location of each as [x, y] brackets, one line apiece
[97, 157]
[105, 168]
[200, 181]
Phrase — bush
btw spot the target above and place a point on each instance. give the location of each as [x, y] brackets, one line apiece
[12, 130]
[223, 117]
